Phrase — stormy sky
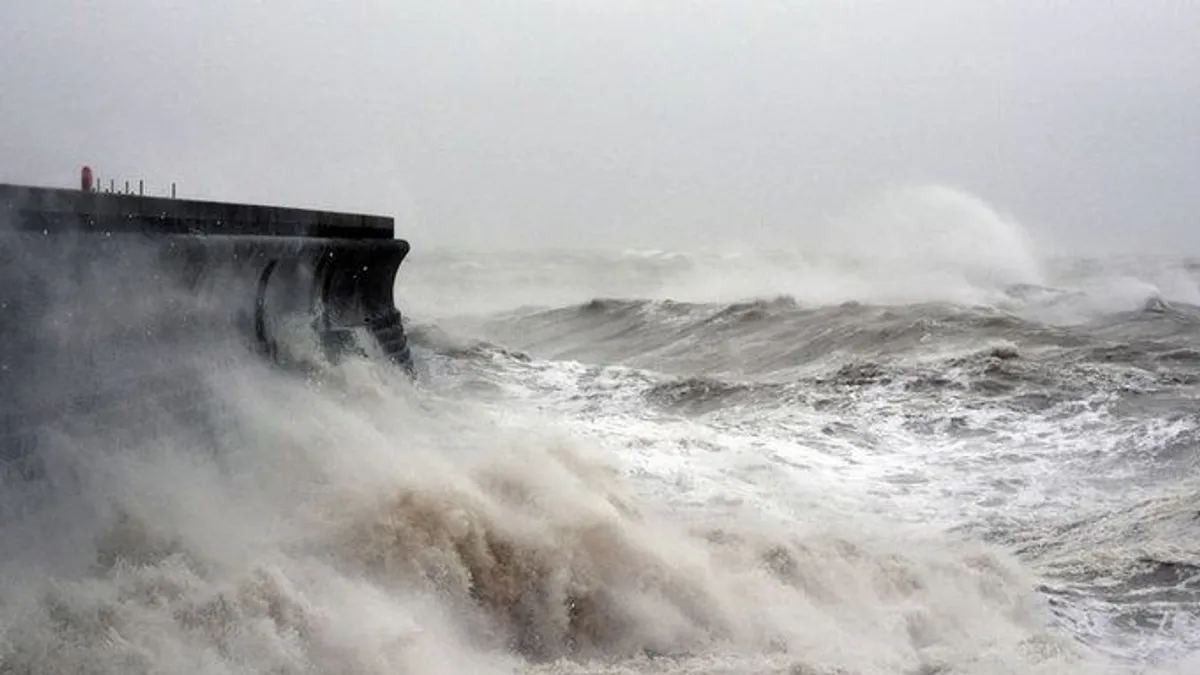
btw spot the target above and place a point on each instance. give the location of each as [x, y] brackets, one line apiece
[619, 122]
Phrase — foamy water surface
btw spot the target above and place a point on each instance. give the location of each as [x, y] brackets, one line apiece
[965, 459]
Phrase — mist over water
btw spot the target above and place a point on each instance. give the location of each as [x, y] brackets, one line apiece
[915, 446]
[912, 244]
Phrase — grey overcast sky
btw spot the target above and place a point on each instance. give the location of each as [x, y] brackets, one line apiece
[622, 122]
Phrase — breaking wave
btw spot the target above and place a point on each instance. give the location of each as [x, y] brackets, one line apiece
[924, 456]
[779, 338]
[910, 245]
[355, 524]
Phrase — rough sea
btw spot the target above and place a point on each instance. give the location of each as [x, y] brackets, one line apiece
[935, 454]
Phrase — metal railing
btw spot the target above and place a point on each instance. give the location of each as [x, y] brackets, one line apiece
[89, 182]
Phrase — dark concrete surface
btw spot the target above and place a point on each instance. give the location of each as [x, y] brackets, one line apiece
[53, 209]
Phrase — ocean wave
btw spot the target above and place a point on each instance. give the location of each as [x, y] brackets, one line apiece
[779, 338]
[748, 484]
[1134, 570]
[353, 525]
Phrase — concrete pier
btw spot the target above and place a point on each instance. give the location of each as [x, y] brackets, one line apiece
[111, 303]
[58, 210]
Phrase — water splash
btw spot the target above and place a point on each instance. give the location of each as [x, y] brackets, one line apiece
[355, 524]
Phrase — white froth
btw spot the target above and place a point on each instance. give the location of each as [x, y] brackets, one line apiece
[519, 514]
[348, 525]
[1025, 470]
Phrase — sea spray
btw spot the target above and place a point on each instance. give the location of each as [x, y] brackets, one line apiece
[355, 523]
